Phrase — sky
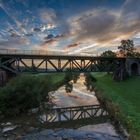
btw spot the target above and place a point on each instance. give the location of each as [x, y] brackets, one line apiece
[73, 26]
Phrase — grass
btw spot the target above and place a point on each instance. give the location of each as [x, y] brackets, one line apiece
[56, 77]
[126, 95]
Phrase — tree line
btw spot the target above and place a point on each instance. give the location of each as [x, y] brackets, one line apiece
[126, 49]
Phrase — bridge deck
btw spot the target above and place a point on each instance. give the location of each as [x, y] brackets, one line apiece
[58, 56]
[39, 54]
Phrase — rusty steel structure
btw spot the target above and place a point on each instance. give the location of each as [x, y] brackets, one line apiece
[20, 62]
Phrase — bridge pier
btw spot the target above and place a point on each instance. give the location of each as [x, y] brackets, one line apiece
[133, 66]
[3, 77]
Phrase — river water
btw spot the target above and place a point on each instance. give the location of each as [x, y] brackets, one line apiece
[78, 97]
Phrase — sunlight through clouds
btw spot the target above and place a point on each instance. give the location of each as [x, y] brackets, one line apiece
[99, 26]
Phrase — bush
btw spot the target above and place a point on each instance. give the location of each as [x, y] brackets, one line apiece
[26, 91]
[20, 94]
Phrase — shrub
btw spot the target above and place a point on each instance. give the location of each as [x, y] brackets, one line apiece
[20, 94]
[24, 92]
[28, 91]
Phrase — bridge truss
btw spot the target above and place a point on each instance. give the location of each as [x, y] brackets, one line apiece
[19, 63]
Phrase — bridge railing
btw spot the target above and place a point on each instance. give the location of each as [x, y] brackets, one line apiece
[43, 52]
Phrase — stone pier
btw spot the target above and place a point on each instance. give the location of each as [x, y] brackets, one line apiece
[133, 66]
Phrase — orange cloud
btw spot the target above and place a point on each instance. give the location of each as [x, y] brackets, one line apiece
[72, 45]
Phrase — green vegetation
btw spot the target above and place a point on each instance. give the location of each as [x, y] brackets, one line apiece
[127, 48]
[108, 53]
[89, 82]
[69, 87]
[122, 100]
[29, 90]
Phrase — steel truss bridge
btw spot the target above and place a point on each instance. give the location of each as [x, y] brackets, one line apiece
[37, 62]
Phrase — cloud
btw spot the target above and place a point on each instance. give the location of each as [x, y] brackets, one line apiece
[43, 27]
[104, 26]
[93, 25]
[48, 27]
[36, 29]
[72, 45]
[15, 34]
[48, 15]
[49, 41]
[14, 43]
[50, 38]
[82, 48]
[29, 34]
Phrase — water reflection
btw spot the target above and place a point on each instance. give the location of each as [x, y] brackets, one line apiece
[79, 96]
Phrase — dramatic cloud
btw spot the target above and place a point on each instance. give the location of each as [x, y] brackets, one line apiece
[104, 26]
[62, 26]
[93, 25]
[49, 39]
[72, 45]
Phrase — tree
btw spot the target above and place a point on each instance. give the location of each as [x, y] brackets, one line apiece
[69, 87]
[109, 65]
[108, 54]
[90, 82]
[137, 54]
[127, 48]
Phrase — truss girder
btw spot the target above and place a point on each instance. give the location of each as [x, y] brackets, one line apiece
[20, 64]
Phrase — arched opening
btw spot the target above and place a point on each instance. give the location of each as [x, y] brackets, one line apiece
[134, 69]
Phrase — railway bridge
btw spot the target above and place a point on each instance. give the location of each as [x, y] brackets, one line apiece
[22, 61]
[16, 62]
[25, 61]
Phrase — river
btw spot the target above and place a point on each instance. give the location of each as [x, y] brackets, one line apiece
[78, 97]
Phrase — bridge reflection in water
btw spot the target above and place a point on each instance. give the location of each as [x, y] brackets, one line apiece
[76, 113]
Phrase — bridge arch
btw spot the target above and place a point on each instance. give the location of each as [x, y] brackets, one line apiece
[134, 69]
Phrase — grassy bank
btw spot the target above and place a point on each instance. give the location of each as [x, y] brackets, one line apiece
[122, 99]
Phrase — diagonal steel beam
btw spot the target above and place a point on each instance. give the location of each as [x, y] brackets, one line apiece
[9, 69]
[64, 66]
[41, 63]
[53, 65]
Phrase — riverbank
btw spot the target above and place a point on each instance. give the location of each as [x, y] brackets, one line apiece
[122, 99]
